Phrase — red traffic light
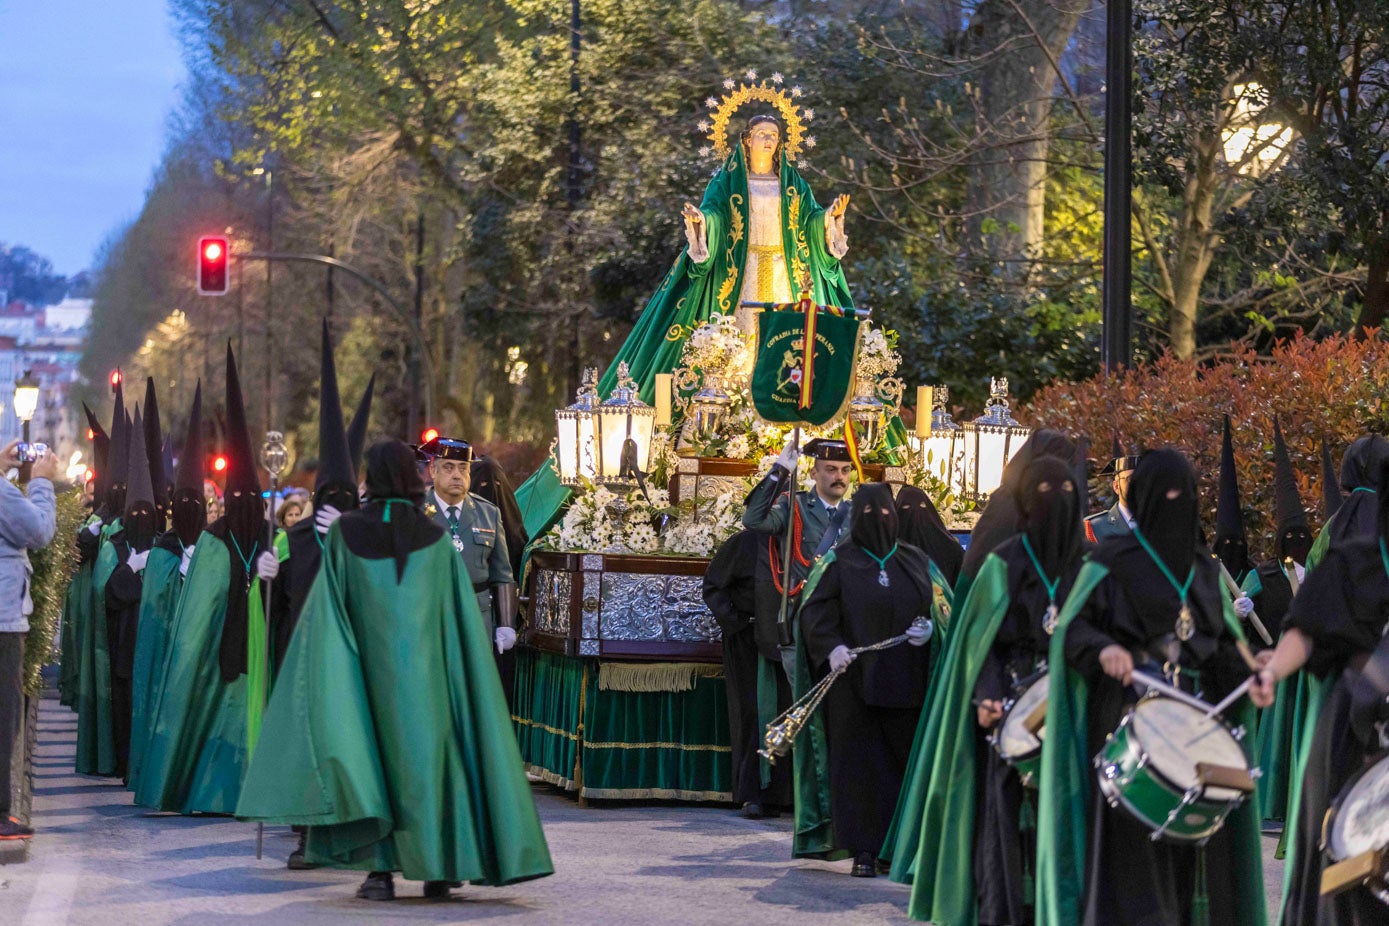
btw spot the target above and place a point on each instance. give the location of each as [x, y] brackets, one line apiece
[219, 464]
[212, 266]
[429, 434]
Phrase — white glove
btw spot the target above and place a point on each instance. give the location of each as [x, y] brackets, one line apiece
[840, 657]
[505, 638]
[183, 563]
[789, 455]
[1244, 606]
[136, 561]
[919, 633]
[267, 565]
[95, 528]
[324, 517]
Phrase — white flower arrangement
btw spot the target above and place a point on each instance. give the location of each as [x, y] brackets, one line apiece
[717, 349]
[877, 356]
[699, 532]
[601, 521]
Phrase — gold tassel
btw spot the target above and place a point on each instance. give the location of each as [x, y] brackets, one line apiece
[653, 676]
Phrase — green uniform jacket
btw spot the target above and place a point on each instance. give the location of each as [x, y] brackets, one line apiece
[158, 599]
[196, 751]
[1063, 814]
[1109, 523]
[483, 542]
[398, 756]
[96, 747]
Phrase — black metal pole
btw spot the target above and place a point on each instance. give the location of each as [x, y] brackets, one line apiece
[332, 251]
[1117, 339]
[414, 416]
[572, 185]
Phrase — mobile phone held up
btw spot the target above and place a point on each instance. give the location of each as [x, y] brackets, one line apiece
[32, 453]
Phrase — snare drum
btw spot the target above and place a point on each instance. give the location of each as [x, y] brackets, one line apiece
[1018, 736]
[1174, 770]
[1355, 836]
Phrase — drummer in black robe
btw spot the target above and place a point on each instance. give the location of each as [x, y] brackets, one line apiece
[1159, 608]
[1042, 562]
[872, 589]
[920, 524]
[1336, 629]
[730, 594]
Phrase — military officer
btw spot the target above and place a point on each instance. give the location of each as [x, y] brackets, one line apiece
[474, 525]
[1118, 520]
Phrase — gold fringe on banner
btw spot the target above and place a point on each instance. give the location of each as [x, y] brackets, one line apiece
[653, 676]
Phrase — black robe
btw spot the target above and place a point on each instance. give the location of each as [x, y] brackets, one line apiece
[1342, 608]
[1004, 852]
[122, 627]
[291, 586]
[871, 714]
[1129, 878]
[729, 593]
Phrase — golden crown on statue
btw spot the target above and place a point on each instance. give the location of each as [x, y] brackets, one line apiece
[750, 89]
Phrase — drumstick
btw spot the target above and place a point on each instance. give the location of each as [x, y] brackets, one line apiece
[1230, 698]
[1238, 592]
[1170, 691]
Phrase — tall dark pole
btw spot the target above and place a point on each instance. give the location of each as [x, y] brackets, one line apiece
[572, 186]
[332, 252]
[269, 303]
[413, 427]
[1117, 346]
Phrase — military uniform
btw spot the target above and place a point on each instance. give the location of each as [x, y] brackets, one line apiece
[1115, 521]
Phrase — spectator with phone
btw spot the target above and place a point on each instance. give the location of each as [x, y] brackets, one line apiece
[28, 518]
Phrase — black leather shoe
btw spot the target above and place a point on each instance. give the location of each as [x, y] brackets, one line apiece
[752, 811]
[864, 866]
[439, 890]
[296, 860]
[379, 885]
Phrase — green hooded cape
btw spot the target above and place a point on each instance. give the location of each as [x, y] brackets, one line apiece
[1063, 817]
[158, 599]
[96, 745]
[813, 833]
[193, 758]
[397, 757]
[934, 842]
[691, 292]
[76, 603]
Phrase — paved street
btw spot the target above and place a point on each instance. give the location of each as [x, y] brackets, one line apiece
[100, 861]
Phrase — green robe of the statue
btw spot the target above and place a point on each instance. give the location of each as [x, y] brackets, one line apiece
[96, 745]
[813, 833]
[691, 292]
[932, 847]
[1068, 777]
[158, 599]
[387, 733]
[196, 751]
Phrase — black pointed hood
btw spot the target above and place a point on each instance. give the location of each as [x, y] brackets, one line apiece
[241, 457]
[1294, 536]
[139, 517]
[1230, 543]
[1331, 496]
[242, 528]
[188, 511]
[118, 458]
[154, 446]
[336, 482]
[101, 455]
[357, 430]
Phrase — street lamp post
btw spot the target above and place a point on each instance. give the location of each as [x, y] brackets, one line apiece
[1117, 337]
[26, 403]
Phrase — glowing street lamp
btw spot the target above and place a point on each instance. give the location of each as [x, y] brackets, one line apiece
[1253, 148]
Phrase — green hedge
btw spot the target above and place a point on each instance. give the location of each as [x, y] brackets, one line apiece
[53, 569]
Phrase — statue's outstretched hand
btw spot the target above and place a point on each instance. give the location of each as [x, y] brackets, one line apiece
[840, 204]
[692, 215]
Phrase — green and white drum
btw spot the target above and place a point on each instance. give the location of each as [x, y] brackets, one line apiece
[1173, 769]
[1355, 837]
[1018, 736]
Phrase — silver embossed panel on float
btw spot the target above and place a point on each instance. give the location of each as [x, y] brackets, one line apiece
[656, 608]
[551, 609]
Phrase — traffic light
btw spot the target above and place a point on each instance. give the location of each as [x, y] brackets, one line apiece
[212, 266]
[428, 435]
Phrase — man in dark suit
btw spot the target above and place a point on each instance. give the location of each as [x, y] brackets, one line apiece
[1118, 520]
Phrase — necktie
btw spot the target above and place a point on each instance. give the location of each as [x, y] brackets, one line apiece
[453, 518]
[831, 532]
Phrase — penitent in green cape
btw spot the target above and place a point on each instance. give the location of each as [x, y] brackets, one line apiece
[158, 600]
[691, 292]
[96, 747]
[1068, 777]
[387, 733]
[813, 834]
[932, 847]
[195, 753]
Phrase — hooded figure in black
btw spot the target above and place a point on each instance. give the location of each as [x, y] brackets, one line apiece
[118, 461]
[393, 524]
[335, 492]
[132, 543]
[1041, 564]
[1231, 545]
[1336, 631]
[188, 507]
[154, 453]
[1000, 518]
[88, 540]
[1270, 588]
[920, 524]
[870, 588]
[1360, 479]
[1137, 617]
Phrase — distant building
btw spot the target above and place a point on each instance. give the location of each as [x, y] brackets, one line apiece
[47, 342]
